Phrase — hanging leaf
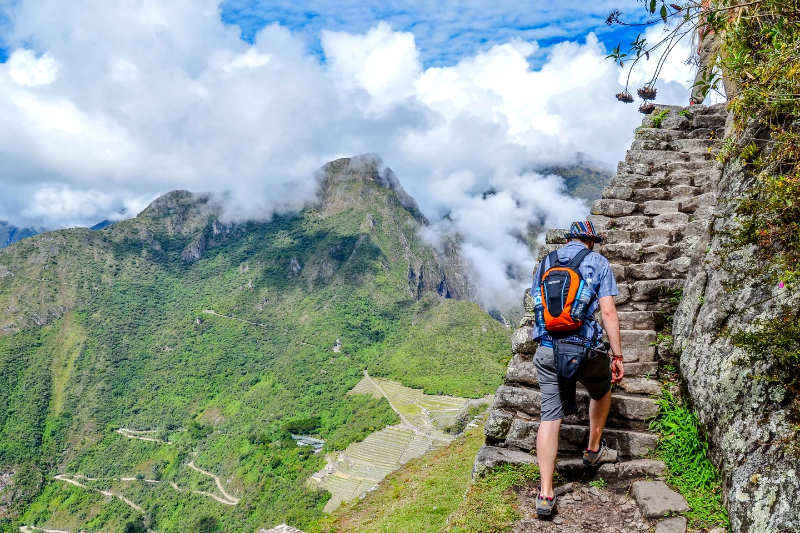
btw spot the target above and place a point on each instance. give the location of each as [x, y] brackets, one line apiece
[652, 6]
[664, 13]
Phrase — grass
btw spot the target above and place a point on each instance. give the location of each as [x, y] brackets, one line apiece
[599, 483]
[684, 450]
[490, 505]
[417, 498]
[658, 118]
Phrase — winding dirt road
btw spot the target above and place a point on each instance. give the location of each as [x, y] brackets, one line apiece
[62, 477]
[232, 500]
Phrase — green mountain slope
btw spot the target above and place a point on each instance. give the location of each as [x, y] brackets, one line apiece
[141, 360]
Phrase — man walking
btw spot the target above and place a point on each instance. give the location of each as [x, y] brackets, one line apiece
[597, 371]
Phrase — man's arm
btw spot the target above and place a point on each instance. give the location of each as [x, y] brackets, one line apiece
[608, 311]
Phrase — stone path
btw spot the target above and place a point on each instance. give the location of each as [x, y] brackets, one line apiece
[655, 211]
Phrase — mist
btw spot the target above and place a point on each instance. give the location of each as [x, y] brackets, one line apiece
[104, 107]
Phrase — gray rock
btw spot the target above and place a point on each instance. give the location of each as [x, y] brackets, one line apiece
[521, 370]
[555, 236]
[635, 468]
[194, 250]
[658, 207]
[656, 499]
[613, 207]
[522, 341]
[515, 398]
[638, 385]
[498, 424]
[671, 525]
[491, 456]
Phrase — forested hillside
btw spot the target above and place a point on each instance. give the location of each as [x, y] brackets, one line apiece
[140, 361]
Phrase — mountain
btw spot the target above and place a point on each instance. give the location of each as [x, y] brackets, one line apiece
[144, 360]
[582, 180]
[101, 225]
[10, 234]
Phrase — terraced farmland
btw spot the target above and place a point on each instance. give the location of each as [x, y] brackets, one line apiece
[424, 419]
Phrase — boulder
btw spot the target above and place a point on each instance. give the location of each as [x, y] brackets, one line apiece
[491, 456]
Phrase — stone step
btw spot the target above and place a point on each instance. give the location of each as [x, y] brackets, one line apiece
[659, 207]
[696, 145]
[657, 157]
[691, 205]
[638, 345]
[708, 121]
[624, 407]
[637, 181]
[613, 208]
[521, 370]
[636, 319]
[644, 271]
[573, 438]
[629, 223]
[490, 457]
[681, 193]
[660, 134]
[618, 475]
[657, 500]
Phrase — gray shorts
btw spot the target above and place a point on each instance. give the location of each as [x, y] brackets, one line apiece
[558, 396]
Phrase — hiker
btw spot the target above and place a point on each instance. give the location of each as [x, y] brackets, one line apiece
[568, 353]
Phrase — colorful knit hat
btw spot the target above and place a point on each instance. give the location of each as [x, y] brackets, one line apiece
[583, 229]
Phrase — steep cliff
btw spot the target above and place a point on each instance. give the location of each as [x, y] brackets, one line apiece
[746, 414]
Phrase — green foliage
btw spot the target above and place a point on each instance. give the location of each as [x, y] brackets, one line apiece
[224, 390]
[684, 450]
[658, 118]
[451, 348]
[685, 113]
[599, 483]
[490, 504]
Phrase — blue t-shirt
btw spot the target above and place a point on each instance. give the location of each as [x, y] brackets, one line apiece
[595, 270]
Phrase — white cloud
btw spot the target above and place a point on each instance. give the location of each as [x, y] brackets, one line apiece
[165, 96]
[29, 71]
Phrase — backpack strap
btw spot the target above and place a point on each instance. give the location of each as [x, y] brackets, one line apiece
[553, 260]
[578, 259]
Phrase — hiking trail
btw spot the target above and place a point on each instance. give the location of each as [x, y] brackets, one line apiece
[654, 212]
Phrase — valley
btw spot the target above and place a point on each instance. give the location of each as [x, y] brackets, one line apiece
[173, 375]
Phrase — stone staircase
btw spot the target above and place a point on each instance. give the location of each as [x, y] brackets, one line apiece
[655, 211]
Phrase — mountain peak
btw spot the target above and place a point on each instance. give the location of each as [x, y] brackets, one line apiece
[367, 169]
[174, 203]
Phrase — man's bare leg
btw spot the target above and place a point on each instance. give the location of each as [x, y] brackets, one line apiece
[546, 451]
[598, 412]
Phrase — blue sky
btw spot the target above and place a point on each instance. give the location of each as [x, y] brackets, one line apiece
[444, 31]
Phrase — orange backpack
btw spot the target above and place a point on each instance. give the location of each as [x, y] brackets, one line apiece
[565, 297]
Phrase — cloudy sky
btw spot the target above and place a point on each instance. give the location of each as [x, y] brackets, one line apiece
[106, 105]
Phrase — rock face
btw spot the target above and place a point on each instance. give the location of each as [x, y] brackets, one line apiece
[363, 179]
[654, 215]
[741, 412]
